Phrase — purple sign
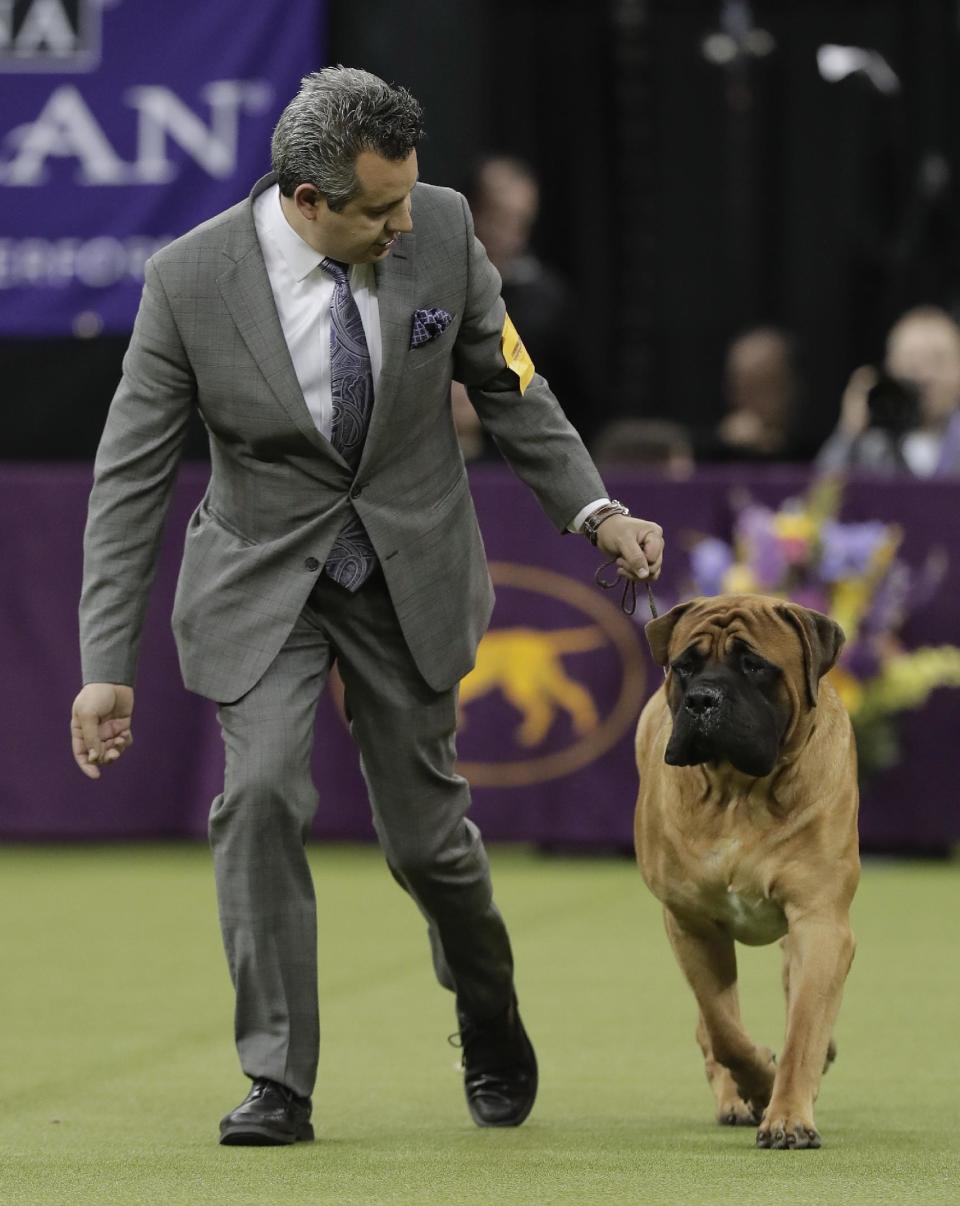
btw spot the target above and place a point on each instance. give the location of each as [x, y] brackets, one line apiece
[124, 123]
[547, 718]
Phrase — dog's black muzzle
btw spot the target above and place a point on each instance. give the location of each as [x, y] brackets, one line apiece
[716, 720]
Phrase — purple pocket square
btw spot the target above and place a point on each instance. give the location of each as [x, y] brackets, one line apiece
[427, 325]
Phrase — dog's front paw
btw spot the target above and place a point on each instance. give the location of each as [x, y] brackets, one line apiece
[786, 1129]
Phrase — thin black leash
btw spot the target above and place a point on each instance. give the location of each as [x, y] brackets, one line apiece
[628, 600]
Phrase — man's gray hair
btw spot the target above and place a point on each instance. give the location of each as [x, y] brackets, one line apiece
[339, 112]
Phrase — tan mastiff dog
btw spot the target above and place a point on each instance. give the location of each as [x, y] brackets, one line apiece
[746, 830]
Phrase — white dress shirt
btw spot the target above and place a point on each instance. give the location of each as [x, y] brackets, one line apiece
[921, 451]
[303, 292]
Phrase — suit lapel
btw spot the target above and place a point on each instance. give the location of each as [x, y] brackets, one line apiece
[246, 292]
[395, 294]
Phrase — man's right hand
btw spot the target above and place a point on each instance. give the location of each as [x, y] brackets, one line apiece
[100, 725]
[854, 408]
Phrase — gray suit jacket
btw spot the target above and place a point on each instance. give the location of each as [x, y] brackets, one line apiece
[207, 335]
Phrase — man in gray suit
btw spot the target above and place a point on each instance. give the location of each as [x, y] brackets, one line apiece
[317, 326]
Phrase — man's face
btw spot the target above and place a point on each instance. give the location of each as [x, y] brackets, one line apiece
[504, 213]
[364, 230]
[758, 376]
[927, 353]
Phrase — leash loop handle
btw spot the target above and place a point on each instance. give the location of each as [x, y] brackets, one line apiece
[628, 600]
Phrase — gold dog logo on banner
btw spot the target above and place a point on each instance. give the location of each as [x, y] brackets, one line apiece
[525, 667]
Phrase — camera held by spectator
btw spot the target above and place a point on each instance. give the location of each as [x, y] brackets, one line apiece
[905, 416]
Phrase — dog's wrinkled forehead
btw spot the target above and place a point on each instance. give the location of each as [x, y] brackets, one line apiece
[713, 630]
[803, 643]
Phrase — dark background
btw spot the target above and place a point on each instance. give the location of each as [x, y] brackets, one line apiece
[684, 200]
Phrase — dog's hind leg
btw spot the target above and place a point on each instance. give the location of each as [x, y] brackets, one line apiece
[710, 965]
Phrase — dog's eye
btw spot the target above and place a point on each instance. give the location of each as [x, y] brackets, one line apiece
[752, 665]
[682, 669]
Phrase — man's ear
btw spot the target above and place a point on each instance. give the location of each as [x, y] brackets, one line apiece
[820, 638]
[660, 630]
[306, 198]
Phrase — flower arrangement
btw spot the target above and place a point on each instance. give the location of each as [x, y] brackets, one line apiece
[851, 572]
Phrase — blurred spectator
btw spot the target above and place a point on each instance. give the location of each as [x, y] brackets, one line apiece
[905, 418]
[763, 391]
[505, 199]
[645, 443]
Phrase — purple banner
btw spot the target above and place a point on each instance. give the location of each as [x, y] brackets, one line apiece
[123, 123]
[547, 716]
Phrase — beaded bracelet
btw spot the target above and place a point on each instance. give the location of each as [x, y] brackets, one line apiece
[596, 518]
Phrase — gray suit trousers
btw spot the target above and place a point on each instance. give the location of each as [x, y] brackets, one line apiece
[405, 732]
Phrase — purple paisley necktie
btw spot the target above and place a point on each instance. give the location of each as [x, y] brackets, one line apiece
[352, 559]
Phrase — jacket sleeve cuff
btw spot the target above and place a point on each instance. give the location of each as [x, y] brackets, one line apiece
[576, 523]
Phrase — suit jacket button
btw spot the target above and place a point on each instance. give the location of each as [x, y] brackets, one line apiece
[312, 564]
[357, 490]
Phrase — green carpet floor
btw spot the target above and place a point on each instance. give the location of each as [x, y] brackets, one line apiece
[116, 1058]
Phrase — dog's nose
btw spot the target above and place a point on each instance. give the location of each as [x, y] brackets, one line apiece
[702, 698]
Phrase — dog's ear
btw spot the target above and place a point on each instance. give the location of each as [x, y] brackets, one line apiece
[820, 638]
[660, 630]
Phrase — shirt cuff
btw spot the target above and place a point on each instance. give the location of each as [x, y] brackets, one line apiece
[576, 524]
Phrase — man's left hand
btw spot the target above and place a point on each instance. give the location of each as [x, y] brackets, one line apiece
[637, 545]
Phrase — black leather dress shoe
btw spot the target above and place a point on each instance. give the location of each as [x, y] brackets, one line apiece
[270, 1114]
[499, 1068]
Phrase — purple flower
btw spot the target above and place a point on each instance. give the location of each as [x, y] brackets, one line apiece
[848, 548]
[811, 596]
[861, 658]
[890, 603]
[763, 549]
[709, 561]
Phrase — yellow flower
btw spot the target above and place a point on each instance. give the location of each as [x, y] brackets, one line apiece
[824, 498]
[886, 551]
[850, 599]
[794, 525]
[847, 687]
[739, 580]
[906, 681]
[851, 596]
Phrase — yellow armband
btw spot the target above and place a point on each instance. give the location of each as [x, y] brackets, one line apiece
[515, 354]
